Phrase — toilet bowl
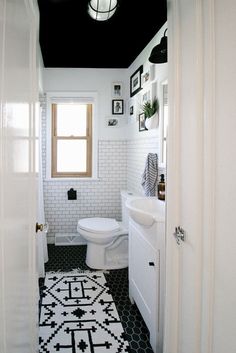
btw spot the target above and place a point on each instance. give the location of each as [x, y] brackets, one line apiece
[107, 239]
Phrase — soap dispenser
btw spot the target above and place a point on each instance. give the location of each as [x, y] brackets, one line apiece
[161, 188]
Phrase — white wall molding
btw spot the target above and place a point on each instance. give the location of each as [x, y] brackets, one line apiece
[209, 170]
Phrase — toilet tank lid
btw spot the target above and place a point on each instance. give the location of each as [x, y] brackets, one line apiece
[99, 225]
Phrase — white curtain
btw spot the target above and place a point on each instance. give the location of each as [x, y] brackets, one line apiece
[42, 254]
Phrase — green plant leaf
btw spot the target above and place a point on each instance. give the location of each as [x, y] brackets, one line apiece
[150, 108]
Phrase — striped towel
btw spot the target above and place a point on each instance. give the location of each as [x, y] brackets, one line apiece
[150, 174]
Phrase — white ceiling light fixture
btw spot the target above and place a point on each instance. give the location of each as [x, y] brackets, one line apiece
[102, 10]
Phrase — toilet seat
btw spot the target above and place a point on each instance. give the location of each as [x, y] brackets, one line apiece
[98, 225]
[100, 230]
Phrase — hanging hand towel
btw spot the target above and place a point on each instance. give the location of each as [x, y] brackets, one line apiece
[150, 174]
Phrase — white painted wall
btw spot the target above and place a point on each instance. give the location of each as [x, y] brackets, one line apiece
[98, 80]
[139, 144]
[137, 151]
[161, 72]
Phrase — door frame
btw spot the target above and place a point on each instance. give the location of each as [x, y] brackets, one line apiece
[205, 43]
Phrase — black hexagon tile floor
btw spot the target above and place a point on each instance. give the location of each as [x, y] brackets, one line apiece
[68, 258]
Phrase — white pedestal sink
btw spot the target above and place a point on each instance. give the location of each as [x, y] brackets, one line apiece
[146, 210]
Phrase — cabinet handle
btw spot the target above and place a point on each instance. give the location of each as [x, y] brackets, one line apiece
[151, 263]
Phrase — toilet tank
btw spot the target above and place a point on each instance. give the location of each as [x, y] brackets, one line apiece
[125, 214]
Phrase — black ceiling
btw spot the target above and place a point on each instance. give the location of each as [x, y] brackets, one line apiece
[70, 38]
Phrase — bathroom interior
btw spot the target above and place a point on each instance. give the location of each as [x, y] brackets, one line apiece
[102, 174]
[88, 218]
[97, 253]
[88, 260]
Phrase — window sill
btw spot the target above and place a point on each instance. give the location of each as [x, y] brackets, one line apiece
[72, 179]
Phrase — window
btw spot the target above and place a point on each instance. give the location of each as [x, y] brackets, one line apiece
[71, 139]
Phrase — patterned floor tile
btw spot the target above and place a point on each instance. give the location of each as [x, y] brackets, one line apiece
[79, 315]
[68, 258]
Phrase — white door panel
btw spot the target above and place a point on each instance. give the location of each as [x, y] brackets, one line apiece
[201, 169]
[18, 306]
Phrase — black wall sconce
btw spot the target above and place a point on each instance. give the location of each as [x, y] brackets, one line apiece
[159, 52]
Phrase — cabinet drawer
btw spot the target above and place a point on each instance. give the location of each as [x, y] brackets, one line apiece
[144, 274]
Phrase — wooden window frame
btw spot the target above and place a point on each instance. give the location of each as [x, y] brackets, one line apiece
[55, 138]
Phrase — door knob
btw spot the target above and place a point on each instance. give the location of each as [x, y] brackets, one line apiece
[41, 227]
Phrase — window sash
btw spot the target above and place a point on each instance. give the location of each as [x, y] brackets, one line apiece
[87, 138]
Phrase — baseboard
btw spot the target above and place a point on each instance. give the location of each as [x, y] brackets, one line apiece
[67, 239]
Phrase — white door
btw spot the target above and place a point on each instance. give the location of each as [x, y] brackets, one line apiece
[201, 177]
[18, 92]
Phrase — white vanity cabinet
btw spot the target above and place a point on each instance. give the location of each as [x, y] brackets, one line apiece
[146, 276]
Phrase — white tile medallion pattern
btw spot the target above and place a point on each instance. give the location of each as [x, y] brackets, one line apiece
[78, 314]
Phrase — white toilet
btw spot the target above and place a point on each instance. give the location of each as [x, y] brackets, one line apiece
[107, 239]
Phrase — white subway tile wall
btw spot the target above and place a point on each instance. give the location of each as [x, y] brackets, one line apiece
[99, 198]
[120, 166]
[137, 151]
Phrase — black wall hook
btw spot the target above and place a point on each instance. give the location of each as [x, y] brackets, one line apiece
[72, 194]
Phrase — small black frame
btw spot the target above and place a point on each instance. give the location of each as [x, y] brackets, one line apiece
[135, 81]
[141, 120]
[117, 106]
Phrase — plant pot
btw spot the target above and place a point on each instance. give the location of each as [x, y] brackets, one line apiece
[152, 122]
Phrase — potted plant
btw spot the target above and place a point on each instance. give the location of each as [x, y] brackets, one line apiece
[150, 110]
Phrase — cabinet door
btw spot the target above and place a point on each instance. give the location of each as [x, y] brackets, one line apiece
[144, 274]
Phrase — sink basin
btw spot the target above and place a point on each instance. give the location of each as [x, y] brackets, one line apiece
[146, 210]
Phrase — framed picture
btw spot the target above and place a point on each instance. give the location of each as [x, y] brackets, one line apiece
[117, 89]
[148, 93]
[112, 122]
[117, 106]
[148, 74]
[135, 81]
[146, 96]
[142, 126]
[131, 106]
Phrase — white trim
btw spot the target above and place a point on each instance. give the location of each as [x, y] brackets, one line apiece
[79, 96]
[172, 305]
[3, 329]
[199, 77]
[73, 179]
[161, 164]
[209, 191]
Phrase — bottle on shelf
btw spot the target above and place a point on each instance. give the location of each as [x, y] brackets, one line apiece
[161, 188]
